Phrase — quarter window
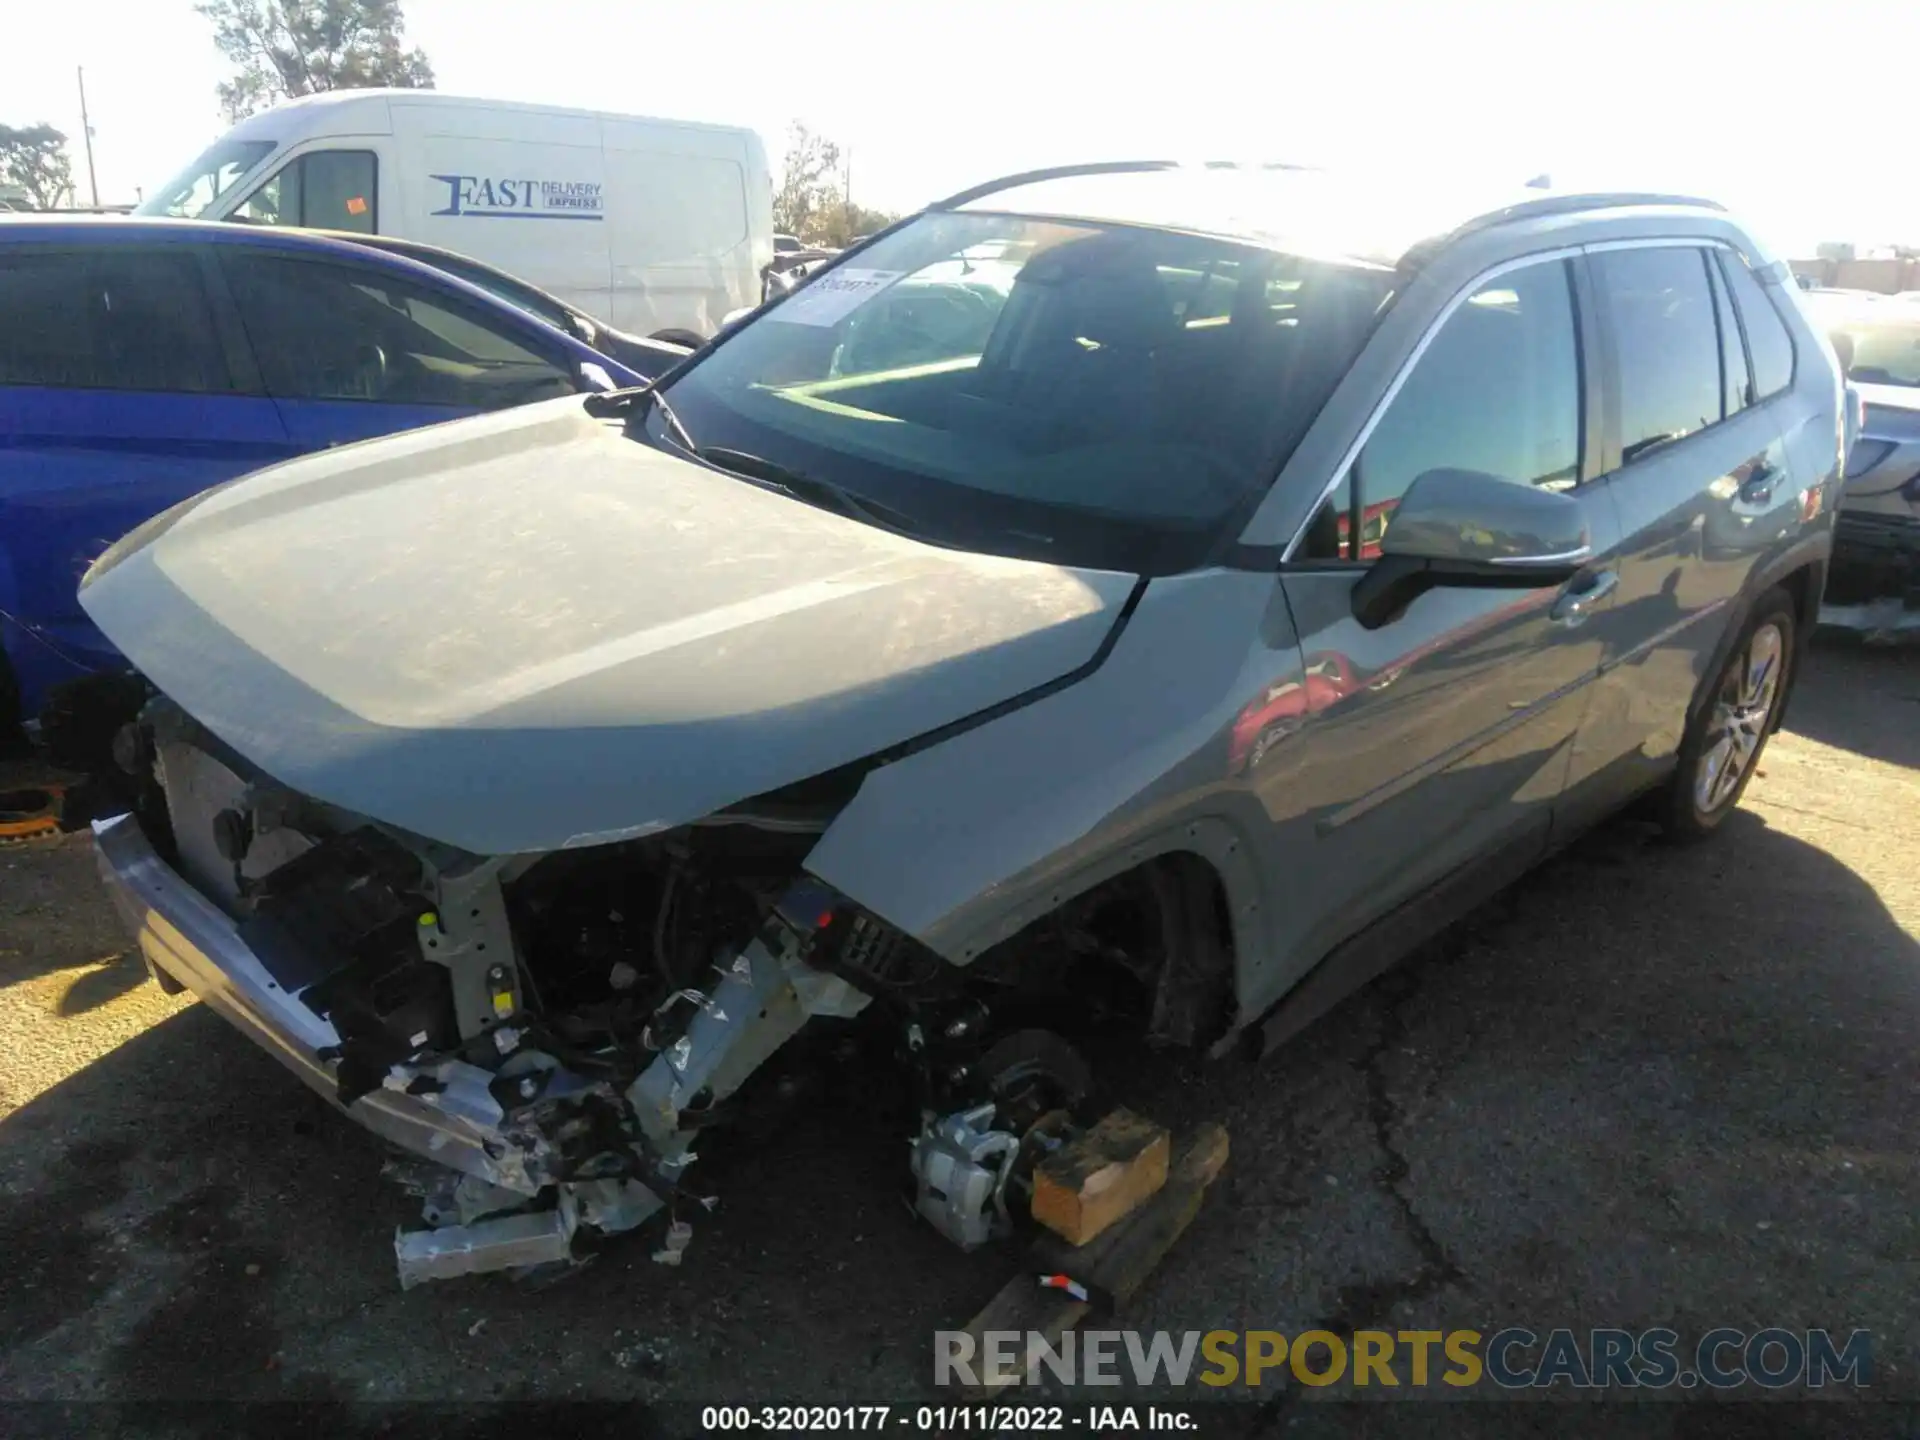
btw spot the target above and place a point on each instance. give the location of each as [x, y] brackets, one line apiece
[337, 332]
[1496, 391]
[108, 318]
[1736, 383]
[1666, 344]
[323, 189]
[1767, 336]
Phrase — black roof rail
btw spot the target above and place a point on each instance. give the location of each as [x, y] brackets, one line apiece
[1051, 172]
[1102, 167]
[1589, 200]
[1568, 204]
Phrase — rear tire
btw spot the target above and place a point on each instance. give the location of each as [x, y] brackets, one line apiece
[1729, 730]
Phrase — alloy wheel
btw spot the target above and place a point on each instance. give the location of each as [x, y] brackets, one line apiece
[1737, 724]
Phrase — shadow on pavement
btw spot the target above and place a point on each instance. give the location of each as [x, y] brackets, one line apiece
[185, 1220]
[1861, 698]
[44, 930]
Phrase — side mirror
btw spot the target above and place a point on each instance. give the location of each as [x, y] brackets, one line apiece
[594, 378]
[1462, 527]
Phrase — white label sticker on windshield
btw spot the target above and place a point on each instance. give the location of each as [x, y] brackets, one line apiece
[833, 296]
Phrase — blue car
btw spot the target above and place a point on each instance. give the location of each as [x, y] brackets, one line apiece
[142, 361]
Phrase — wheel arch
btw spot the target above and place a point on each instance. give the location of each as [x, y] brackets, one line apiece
[1801, 572]
[1210, 848]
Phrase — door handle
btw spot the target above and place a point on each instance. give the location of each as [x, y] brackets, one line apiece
[1757, 488]
[1573, 607]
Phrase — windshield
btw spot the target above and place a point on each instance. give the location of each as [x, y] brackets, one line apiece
[1086, 393]
[1878, 341]
[191, 193]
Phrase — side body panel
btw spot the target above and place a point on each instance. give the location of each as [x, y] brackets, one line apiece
[521, 189]
[964, 842]
[78, 469]
[1446, 745]
[81, 465]
[1710, 520]
[689, 222]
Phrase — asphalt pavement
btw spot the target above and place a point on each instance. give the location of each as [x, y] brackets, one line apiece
[1649, 1086]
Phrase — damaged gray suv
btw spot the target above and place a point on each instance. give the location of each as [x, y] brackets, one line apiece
[1123, 600]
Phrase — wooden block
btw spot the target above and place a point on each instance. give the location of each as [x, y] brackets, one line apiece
[1114, 1267]
[1117, 1264]
[1107, 1173]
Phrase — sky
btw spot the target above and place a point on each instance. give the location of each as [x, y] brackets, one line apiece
[1761, 106]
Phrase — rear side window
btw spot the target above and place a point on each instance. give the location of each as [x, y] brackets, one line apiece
[1496, 391]
[324, 189]
[1767, 338]
[1666, 344]
[108, 318]
[327, 331]
[1736, 382]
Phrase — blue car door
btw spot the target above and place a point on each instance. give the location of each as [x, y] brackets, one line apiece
[119, 397]
[351, 349]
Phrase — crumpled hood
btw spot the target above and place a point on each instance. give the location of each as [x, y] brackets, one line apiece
[528, 631]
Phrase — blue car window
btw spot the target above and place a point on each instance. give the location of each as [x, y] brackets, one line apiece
[326, 331]
[108, 318]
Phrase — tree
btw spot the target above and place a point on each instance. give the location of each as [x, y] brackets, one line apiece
[812, 202]
[845, 223]
[285, 48]
[810, 184]
[34, 159]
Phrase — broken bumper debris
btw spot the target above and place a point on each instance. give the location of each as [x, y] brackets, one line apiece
[510, 1197]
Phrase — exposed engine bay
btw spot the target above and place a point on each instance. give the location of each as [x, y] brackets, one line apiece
[577, 1022]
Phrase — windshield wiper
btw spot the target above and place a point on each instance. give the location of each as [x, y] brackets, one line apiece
[808, 488]
[636, 400]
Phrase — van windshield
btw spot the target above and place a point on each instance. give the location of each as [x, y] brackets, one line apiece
[192, 192]
[1087, 393]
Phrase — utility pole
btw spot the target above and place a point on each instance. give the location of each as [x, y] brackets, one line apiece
[847, 198]
[86, 130]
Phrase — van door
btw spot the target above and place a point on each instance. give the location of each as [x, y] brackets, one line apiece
[119, 397]
[678, 231]
[336, 187]
[349, 351]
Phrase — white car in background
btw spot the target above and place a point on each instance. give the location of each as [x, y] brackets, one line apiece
[1873, 585]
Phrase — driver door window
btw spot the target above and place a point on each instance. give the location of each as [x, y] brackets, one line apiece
[324, 331]
[323, 189]
[1496, 391]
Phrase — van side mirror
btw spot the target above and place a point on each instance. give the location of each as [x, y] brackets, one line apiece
[1463, 527]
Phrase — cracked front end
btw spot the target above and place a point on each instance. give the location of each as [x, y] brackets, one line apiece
[554, 1028]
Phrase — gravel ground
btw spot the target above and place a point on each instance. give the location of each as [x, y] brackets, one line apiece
[1650, 1086]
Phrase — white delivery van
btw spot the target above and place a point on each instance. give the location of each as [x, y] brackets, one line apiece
[658, 227]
